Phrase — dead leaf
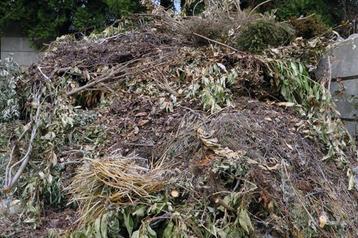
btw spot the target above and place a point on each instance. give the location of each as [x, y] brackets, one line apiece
[174, 193]
[350, 179]
[136, 130]
[289, 146]
[323, 219]
[221, 66]
[143, 122]
[53, 158]
[212, 143]
[286, 104]
[141, 114]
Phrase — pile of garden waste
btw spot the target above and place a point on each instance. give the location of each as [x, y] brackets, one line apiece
[171, 126]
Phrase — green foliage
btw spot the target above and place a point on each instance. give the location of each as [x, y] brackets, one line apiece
[44, 21]
[123, 7]
[296, 85]
[53, 194]
[214, 88]
[3, 162]
[297, 8]
[263, 34]
[331, 12]
[229, 170]
[9, 75]
[86, 19]
[315, 103]
[126, 222]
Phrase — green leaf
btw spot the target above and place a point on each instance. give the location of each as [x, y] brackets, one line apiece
[128, 222]
[157, 208]
[294, 68]
[245, 221]
[135, 234]
[104, 225]
[151, 232]
[168, 231]
[140, 211]
[97, 227]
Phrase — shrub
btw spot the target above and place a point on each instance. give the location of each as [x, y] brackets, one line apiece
[297, 8]
[263, 34]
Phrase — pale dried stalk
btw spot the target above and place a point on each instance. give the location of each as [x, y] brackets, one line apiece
[10, 180]
[123, 180]
[216, 42]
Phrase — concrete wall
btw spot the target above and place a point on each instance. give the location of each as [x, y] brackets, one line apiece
[345, 95]
[341, 66]
[20, 48]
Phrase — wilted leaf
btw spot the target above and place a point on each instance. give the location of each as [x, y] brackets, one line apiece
[350, 179]
[286, 104]
[53, 158]
[140, 211]
[212, 143]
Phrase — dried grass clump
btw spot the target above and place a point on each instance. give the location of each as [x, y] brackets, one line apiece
[100, 183]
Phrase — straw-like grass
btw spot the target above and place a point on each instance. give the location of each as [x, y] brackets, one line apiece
[119, 181]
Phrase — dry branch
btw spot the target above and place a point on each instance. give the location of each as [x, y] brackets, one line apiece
[108, 76]
[10, 179]
[216, 42]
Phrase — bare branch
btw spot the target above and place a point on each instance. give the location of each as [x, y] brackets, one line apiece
[44, 75]
[259, 5]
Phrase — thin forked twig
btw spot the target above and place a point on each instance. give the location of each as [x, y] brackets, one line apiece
[216, 42]
[43, 74]
[259, 5]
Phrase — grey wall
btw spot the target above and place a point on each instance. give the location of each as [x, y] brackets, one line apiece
[20, 48]
[341, 66]
[345, 95]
